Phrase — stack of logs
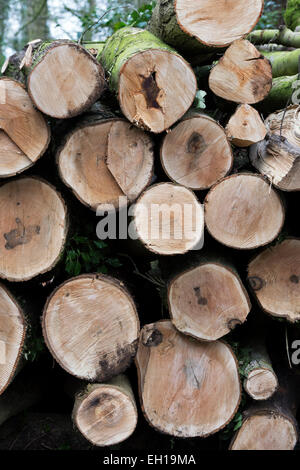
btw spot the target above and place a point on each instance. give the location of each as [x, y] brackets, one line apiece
[189, 379]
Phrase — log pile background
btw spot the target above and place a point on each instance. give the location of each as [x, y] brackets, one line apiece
[136, 344]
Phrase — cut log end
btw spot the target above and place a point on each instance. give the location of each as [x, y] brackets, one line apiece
[261, 384]
[156, 88]
[230, 20]
[12, 335]
[186, 404]
[106, 415]
[169, 219]
[33, 227]
[208, 302]
[244, 212]
[98, 327]
[105, 161]
[24, 134]
[66, 81]
[245, 127]
[242, 75]
[196, 153]
[274, 276]
[266, 431]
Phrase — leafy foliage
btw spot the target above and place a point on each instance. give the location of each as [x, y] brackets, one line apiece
[272, 15]
[34, 345]
[138, 18]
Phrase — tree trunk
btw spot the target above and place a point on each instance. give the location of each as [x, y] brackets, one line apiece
[278, 156]
[274, 48]
[34, 21]
[33, 221]
[244, 212]
[106, 413]
[271, 424]
[260, 379]
[155, 85]
[274, 277]
[208, 301]
[245, 127]
[169, 219]
[242, 75]
[24, 133]
[292, 14]
[282, 93]
[12, 336]
[193, 27]
[91, 326]
[199, 389]
[104, 159]
[196, 152]
[284, 62]
[283, 36]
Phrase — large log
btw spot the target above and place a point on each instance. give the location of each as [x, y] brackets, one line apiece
[278, 156]
[244, 212]
[199, 388]
[245, 127]
[285, 90]
[242, 75]
[106, 414]
[169, 219]
[105, 158]
[193, 27]
[24, 133]
[283, 62]
[33, 223]
[274, 276]
[154, 84]
[283, 36]
[208, 301]
[90, 325]
[196, 152]
[12, 336]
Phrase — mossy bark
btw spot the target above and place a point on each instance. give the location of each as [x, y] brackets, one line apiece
[281, 94]
[284, 63]
[292, 14]
[283, 36]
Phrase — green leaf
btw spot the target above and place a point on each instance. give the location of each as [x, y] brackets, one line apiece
[100, 244]
[199, 102]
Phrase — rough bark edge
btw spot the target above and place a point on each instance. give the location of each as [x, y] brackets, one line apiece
[141, 387]
[186, 118]
[66, 228]
[278, 196]
[234, 273]
[116, 283]
[265, 368]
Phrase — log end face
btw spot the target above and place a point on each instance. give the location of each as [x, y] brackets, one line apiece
[261, 384]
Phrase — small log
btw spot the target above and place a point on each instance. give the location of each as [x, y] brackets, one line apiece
[273, 48]
[244, 212]
[199, 389]
[243, 75]
[245, 127]
[283, 36]
[196, 152]
[283, 62]
[12, 337]
[208, 301]
[105, 158]
[90, 325]
[33, 224]
[24, 133]
[64, 79]
[106, 414]
[196, 26]
[169, 219]
[155, 86]
[278, 156]
[274, 277]
[260, 379]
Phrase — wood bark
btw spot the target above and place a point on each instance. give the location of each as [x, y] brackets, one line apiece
[245, 127]
[196, 152]
[274, 278]
[169, 219]
[199, 389]
[283, 36]
[33, 223]
[140, 67]
[24, 133]
[98, 327]
[244, 212]
[192, 27]
[105, 160]
[106, 413]
[284, 63]
[242, 75]
[285, 90]
[278, 156]
[208, 301]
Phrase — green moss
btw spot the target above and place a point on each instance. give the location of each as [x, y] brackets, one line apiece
[292, 14]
